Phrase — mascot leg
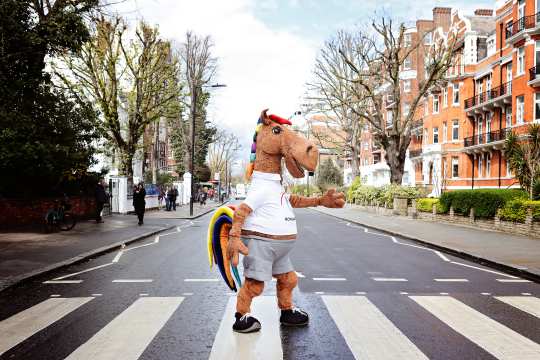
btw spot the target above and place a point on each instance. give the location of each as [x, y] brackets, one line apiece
[285, 285]
[290, 315]
[250, 289]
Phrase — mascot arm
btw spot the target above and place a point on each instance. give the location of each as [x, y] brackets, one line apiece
[331, 199]
[235, 245]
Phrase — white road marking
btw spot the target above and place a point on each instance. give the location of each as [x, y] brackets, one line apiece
[484, 293]
[443, 293]
[368, 333]
[526, 294]
[482, 269]
[299, 274]
[403, 293]
[118, 256]
[187, 294]
[21, 326]
[262, 345]
[201, 280]
[55, 295]
[63, 282]
[513, 280]
[97, 294]
[528, 304]
[127, 336]
[451, 280]
[495, 338]
[441, 255]
[143, 294]
[83, 271]
[132, 281]
[329, 279]
[319, 292]
[360, 293]
[138, 247]
[156, 239]
[389, 279]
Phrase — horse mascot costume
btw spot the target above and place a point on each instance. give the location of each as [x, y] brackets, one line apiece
[263, 227]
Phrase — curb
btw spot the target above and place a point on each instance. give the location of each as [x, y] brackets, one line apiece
[196, 216]
[458, 253]
[17, 280]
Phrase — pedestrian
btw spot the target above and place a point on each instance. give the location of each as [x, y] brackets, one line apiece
[138, 201]
[101, 198]
[175, 195]
[161, 196]
[204, 195]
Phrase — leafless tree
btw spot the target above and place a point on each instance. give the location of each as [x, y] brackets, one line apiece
[222, 152]
[376, 58]
[133, 81]
[332, 94]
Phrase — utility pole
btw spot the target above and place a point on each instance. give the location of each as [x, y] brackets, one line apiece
[191, 160]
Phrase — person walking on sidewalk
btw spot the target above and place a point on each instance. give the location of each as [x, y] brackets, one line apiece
[172, 199]
[138, 201]
[160, 197]
[101, 198]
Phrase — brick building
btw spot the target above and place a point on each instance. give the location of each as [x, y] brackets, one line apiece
[461, 126]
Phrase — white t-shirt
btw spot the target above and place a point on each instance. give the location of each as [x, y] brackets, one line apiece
[272, 212]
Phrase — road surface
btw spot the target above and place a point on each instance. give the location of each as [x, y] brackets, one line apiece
[369, 295]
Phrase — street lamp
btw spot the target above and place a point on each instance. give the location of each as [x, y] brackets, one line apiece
[193, 116]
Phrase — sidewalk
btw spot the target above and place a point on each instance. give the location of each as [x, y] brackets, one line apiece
[24, 254]
[518, 254]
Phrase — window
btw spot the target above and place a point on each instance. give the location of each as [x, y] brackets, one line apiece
[488, 83]
[408, 39]
[508, 170]
[406, 109]
[445, 97]
[444, 132]
[435, 135]
[428, 39]
[491, 46]
[407, 63]
[521, 61]
[455, 94]
[537, 107]
[407, 86]
[480, 130]
[480, 165]
[455, 130]
[537, 54]
[488, 165]
[435, 104]
[520, 104]
[508, 115]
[455, 167]
[489, 116]
[389, 118]
[521, 9]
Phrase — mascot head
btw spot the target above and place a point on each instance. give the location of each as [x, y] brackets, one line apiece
[273, 141]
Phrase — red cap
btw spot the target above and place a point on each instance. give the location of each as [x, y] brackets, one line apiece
[279, 120]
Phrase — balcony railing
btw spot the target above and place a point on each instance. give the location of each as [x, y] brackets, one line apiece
[503, 89]
[534, 72]
[486, 138]
[415, 153]
[526, 22]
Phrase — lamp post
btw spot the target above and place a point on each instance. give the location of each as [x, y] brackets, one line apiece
[194, 98]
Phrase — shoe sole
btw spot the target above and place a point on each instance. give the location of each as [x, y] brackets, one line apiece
[254, 328]
[294, 325]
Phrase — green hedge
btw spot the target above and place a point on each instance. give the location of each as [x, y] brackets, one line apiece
[301, 189]
[384, 195]
[484, 201]
[516, 210]
[426, 205]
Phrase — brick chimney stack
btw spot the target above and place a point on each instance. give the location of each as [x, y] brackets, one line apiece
[442, 17]
[483, 12]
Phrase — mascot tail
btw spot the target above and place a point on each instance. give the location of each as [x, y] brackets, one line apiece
[218, 237]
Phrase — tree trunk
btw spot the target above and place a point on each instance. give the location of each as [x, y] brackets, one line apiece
[395, 158]
[354, 164]
[126, 163]
[155, 154]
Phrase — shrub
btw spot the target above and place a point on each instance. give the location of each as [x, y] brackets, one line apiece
[355, 184]
[301, 189]
[484, 201]
[516, 210]
[383, 195]
[426, 205]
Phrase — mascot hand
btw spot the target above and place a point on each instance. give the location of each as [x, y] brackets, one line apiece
[234, 246]
[333, 199]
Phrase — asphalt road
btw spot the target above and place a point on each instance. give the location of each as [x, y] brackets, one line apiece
[370, 296]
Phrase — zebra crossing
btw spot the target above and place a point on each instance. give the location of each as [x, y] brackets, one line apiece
[365, 328]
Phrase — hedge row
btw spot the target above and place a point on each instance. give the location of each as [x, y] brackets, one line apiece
[485, 202]
[516, 210]
[426, 205]
[383, 195]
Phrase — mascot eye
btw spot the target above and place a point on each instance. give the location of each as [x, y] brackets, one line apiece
[276, 130]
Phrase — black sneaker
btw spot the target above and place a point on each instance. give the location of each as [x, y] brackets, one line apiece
[246, 323]
[294, 317]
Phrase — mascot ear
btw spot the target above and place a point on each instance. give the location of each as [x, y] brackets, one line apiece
[264, 117]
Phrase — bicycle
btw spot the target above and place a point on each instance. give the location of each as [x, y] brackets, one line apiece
[59, 217]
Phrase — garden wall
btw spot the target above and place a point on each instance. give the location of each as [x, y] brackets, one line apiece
[18, 212]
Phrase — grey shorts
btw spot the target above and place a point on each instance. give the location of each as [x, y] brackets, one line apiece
[267, 258]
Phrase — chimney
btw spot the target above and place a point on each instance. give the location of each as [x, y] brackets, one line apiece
[442, 17]
[483, 12]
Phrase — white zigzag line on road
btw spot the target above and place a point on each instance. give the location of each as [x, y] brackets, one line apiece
[438, 253]
[123, 250]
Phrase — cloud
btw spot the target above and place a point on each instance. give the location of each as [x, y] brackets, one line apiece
[262, 66]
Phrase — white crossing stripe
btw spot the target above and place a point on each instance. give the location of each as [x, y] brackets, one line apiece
[369, 334]
[128, 335]
[63, 282]
[495, 338]
[329, 279]
[132, 281]
[389, 279]
[265, 344]
[528, 304]
[201, 280]
[513, 280]
[451, 280]
[21, 326]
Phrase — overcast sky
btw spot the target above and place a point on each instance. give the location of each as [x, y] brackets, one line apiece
[266, 48]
